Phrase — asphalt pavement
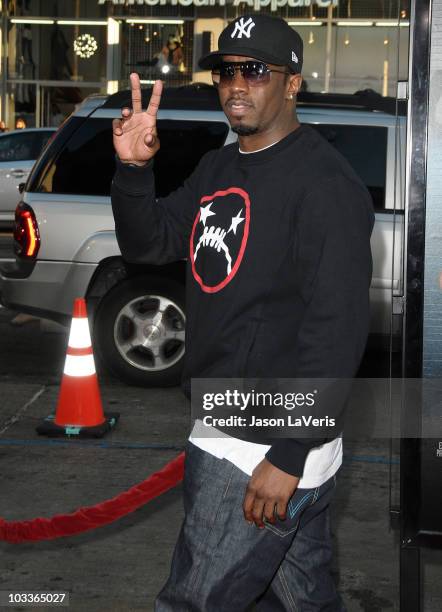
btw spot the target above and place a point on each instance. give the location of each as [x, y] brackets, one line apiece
[122, 566]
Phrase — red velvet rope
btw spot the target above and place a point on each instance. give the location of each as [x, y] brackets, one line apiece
[91, 517]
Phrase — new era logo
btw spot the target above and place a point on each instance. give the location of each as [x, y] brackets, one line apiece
[243, 28]
[294, 57]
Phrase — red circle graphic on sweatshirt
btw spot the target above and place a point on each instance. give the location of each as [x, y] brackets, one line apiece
[216, 235]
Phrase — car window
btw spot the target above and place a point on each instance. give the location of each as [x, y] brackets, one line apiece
[183, 143]
[86, 165]
[16, 147]
[40, 140]
[365, 148]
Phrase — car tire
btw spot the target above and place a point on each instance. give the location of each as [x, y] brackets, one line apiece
[139, 331]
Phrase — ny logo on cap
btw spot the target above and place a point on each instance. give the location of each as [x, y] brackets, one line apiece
[243, 28]
[294, 57]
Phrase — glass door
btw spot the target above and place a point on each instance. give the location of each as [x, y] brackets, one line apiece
[56, 102]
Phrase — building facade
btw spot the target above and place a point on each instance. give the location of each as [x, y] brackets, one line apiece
[54, 53]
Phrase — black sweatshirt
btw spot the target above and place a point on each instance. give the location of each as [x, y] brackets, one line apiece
[278, 262]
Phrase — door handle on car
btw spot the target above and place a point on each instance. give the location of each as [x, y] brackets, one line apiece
[18, 173]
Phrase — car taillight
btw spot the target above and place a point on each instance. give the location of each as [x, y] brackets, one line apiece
[26, 234]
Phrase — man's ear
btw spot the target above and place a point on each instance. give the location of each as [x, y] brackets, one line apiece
[294, 85]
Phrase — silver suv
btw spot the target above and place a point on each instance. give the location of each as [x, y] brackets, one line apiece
[65, 239]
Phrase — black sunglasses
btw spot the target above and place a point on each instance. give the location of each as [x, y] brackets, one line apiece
[253, 72]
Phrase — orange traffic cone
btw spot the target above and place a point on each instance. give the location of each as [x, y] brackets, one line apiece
[79, 409]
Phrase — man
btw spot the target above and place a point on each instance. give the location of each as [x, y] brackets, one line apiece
[276, 229]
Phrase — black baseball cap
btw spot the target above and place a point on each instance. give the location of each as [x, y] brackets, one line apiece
[263, 37]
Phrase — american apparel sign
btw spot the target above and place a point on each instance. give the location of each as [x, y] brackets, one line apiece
[255, 4]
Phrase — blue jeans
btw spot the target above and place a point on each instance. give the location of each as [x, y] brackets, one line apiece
[223, 564]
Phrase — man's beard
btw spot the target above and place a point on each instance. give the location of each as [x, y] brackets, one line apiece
[244, 130]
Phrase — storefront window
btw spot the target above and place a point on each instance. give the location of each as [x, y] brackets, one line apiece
[361, 57]
[57, 52]
[93, 45]
[43, 105]
[159, 50]
[57, 8]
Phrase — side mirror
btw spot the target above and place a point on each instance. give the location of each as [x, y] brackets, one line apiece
[21, 187]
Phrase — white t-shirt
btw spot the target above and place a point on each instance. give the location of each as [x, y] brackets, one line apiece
[321, 464]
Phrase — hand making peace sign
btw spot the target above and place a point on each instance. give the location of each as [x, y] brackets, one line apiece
[135, 135]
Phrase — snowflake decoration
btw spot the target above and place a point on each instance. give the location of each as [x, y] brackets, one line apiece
[85, 46]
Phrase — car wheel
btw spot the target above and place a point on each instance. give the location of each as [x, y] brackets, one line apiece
[139, 331]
